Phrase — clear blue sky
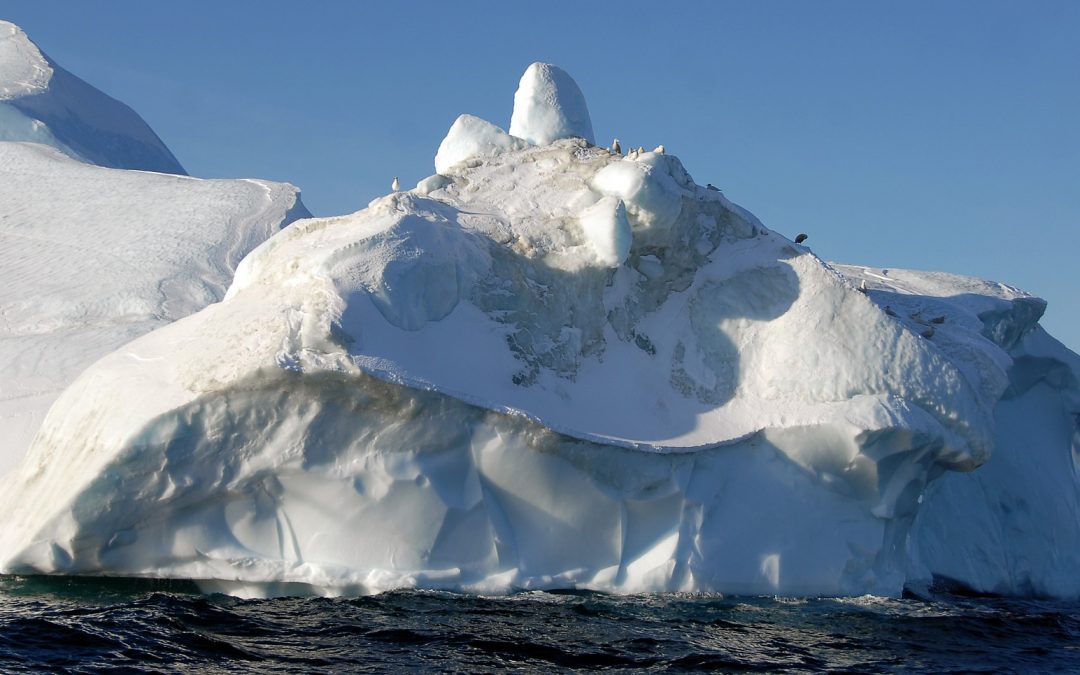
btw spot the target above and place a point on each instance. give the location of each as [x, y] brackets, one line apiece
[930, 135]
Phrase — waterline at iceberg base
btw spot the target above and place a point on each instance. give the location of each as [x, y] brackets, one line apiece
[555, 366]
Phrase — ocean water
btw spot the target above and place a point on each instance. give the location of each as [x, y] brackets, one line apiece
[92, 626]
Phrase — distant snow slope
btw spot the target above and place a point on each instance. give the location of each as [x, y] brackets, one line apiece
[552, 366]
[41, 102]
[93, 257]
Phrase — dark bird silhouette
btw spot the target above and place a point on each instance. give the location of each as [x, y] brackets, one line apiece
[800, 238]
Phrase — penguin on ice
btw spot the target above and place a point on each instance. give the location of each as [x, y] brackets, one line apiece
[615, 147]
[659, 149]
[800, 238]
[395, 186]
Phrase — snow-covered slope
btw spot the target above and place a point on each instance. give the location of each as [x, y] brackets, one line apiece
[40, 102]
[553, 366]
[93, 257]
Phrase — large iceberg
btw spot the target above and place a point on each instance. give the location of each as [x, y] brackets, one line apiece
[550, 365]
[40, 102]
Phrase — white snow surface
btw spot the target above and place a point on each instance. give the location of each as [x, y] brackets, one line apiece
[40, 102]
[488, 384]
[548, 106]
[93, 257]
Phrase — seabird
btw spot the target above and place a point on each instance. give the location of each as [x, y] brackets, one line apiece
[616, 148]
[800, 238]
[640, 149]
[862, 286]
[710, 186]
[659, 149]
[395, 186]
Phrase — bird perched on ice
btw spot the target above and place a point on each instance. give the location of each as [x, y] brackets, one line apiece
[659, 149]
[800, 238]
[640, 149]
[615, 147]
[395, 186]
[631, 154]
[712, 187]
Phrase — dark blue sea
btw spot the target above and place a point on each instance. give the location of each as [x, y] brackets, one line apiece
[93, 626]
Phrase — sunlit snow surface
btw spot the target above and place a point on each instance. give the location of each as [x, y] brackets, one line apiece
[94, 257]
[553, 366]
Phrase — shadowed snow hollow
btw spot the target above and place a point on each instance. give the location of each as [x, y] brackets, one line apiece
[546, 366]
[40, 102]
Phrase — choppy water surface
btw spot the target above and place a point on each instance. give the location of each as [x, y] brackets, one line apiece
[72, 625]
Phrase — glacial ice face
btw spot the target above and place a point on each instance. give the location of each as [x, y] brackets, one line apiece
[548, 105]
[344, 484]
[1012, 527]
[40, 102]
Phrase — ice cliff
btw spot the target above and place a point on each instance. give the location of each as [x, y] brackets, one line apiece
[551, 365]
[40, 102]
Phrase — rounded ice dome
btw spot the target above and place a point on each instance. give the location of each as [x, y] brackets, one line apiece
[549, 105]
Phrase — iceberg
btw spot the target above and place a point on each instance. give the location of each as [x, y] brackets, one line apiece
[553, 366]
[40, 102]
[95, 256]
